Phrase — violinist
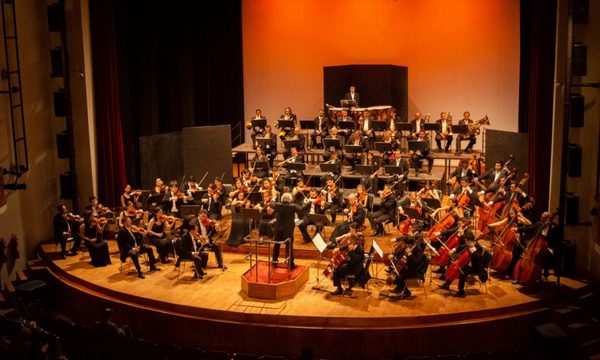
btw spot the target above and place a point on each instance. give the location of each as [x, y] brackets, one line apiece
[388, 137]
[238, 187]
[256, 130]
[332, 197]
[444, 132]
[387, 211]
[355, 214]
[92, 232]
[131, 212]
[159, 187]
[96, 208]
[549, 230]
[271, 146]
[476, 266]
[173, 199]
[130, 195]
[333, 134]
[158, 229]
[313, 204]
[459, 229]
[268, 213]
[191, 187]
[406, 261]
[221, 190]
[240, 226]
[418, 155]
[299, 191]
[192, 249]
[129, 239]
[357, 139]
[362, 196]
[247, 178]
[352, 243]
[66, 226]
[321, 129]
[260, 159]
[212, 203]
[207, 228]
[277, 183]
[267, 186]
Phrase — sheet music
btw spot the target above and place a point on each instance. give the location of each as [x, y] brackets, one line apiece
[377, 248]
[319, 242]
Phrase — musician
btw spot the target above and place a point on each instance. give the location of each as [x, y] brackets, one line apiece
[362, 196]
[213, 203]
[417, 126]
[345, 118]
[388, 137]
[130, 195]
[333, 134]
[460, 229]
[207, 228]
[408, 253]
[336, 170]
[366, 127]
[190, 249]
[355, 256]
[462, 171]
[96, 208]
[355, 214]
[158, 229]
[465, 190]
[240, 226]
[65, 226]
[130, 244]
[267, 210]
[477, 265]
[353, 95]
[418, 155]
[444, 132]
[285, 212]
[396, 160]
[522, 226]
[392, 120]
[191, 187]
[267, 186]
[493, 176]
[271, 146]
[173, 199]
[221, 190]
[356, 140]
[247, 178]
[321, 129]
[313, 204]
[295, 135]
[451, 205]
[287, 115]
[549, 229]
[470, 136]
[92, 233]
[277, 183]
[294, 158]
[410, 201]
[332, 197]
[131, 212]
[159, 187]
[514, 193]
[387, 211]
[256, 130]
[298, 191]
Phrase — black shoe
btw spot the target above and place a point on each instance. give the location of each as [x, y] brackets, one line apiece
[141, 276]
[406, 294]
[72, 253]
[445, 286]
[460, 293]
[223, 267]
[440, 270]
[443, 277]
[337, 292]
[397, 290]
[469, 151]
[154, 268]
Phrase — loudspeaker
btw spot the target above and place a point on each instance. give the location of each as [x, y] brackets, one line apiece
[580, 11]
[62, 145]
[61, 105]
[574, 153]
[572, 208]
[56, 14]
[579, 60]
[576, 110]
[66, 186]
[56, 60]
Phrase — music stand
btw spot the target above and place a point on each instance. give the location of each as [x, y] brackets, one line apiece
[198, 195]
[286, 124]
[251, 214]
[404, 126]
[155, 199]
[329, 168]
[348, 103]
[329, 142]
[264, 143]
[379, 125]
[415, 145]
[307, 124]
[288, 144]
[186, 210]
[432, 126]
[296, 166]
[412, 213]
[347, 125]
[460, 129]
[383, 146]
[321, 219]
[432, 203]
[364, 169]
[261, 123]
[353, 149]
[394, 170]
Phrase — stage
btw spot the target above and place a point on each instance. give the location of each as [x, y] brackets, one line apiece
[186, 311]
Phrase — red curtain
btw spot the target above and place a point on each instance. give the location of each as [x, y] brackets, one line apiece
[112, 175]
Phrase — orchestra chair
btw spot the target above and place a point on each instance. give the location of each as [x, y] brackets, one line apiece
[182, 262]
[353, 280]
[420, 280]
[57, 244]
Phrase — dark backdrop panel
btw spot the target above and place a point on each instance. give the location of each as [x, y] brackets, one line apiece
[500, 144]
[207, 148]
[376, 84]
[160, 156]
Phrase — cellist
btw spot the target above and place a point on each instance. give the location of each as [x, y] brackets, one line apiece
[407, 261]
[514, 218]
[476, 265]
[352, 243]
[459, 229]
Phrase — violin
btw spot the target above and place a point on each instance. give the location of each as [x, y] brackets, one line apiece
[99, 221]
[209, 222]
[139, 230]
[73, 217]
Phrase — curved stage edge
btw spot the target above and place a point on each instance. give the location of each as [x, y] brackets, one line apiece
[335, 335]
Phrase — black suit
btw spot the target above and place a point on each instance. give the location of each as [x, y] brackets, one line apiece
[187, 252]
[461, 172]
[306, 210]
[348, 96]
[352, 266]
[284, 229]
[415, 131]
[62, 231]
[341, 229]
[324, 122]
[416, 267]
[329, 150]
[386, 212]
[127, 241]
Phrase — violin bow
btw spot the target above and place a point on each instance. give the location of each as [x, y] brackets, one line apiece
[204, 177]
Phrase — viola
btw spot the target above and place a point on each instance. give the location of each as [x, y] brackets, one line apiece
[529, 267]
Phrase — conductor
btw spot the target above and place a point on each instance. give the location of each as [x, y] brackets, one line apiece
[284, 227]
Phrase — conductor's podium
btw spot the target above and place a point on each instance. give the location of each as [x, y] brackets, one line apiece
[266, 279]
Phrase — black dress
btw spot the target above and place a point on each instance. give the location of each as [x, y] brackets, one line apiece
[239, 228]
[98, 250]
[163, 246]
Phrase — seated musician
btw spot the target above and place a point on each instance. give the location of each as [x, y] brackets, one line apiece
[357, 139]
[213, 203]
[366, 127]
[268, 213]
[396, 160]
[158, 230]
[287, 115]
[362, 195]
[66, 226]
[520, 225]
[514, 193]
[238, 187]
[221, 190]
[388, 137]
[129, 239]
[492, 177]
[370, 181]
[451, 206]
[296, 134]
[130, 195]
[259, 170]
[191, 249]
[444, 132]
[92, 233]
[96, 208]
[465, 190]
[332, 197]
[333, 134]
[130, 211]
[355, 214]
[295, 158]
[299, 191]
[417, 126]
[470, 136]
[345, 118]
[159, 187]
[475, 267]
[418, 155]
[351, 242]
[256, 130]
[271, 147]
[207, 228]
[277, 183]
[191, 187]
[462, 171]
[247, 178]
[407, 261]
[391, 122]
[321, 129]
[459, 228]
[387, 211]
[313, 204]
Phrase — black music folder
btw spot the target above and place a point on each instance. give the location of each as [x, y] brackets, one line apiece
[200, 194]
[296, 166]
[288, 144]
[394, 170]
[460, 129]
[411, 213]
[262, 123]
[432, 126]
[347, 125]
[383, 146]
[307, 124]
[353, 148]
[403, 126]
[415, 145]
[265, 143]
[329, 142]
[365, 169]
[330, 168]
[285, 124]
[379, 125]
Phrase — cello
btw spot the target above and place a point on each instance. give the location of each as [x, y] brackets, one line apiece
[529, 267]
[463, 258]
[443, 255]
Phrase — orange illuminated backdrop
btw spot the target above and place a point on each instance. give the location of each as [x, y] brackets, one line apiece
[461, 54]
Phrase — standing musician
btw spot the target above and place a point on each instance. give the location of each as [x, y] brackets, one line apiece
[66, 226]
[268, 213]
[321, 129]
[207, 227]
[352, 95]
[158, 230]
[313, 204]
[356, 140]
[332, 197]
[386, 212]
[287, 115]
[285, 212]
[190, 249]
[333, 134]
[409, 261]
[271, 147]
[418, 155]
[417, 126]
[477, 265]
[352, 244]
[366, 127]
[470, 136]
[355, 214]
[444, 132]
[256, 130]
[130, 195]
[129, 239]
